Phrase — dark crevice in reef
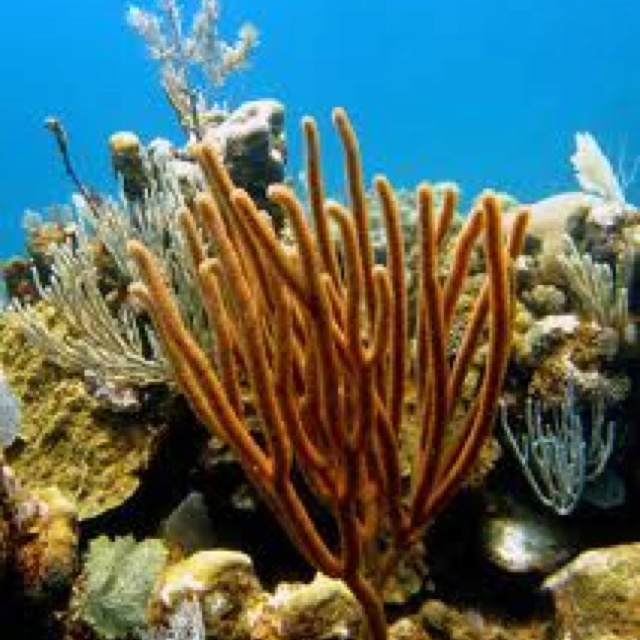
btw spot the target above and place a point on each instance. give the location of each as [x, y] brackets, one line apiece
[461, 575]
[163, 485]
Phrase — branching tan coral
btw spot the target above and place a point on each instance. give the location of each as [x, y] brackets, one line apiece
[318, 333]
[599, 296]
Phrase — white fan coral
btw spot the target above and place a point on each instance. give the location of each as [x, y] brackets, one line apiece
[599, 181]
[594, 170]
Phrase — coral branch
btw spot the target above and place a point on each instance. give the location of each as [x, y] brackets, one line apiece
[319, 335]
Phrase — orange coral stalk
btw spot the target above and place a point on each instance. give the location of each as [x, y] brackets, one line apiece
[326, 352]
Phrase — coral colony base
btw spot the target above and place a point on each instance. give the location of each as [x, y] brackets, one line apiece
[348, 362]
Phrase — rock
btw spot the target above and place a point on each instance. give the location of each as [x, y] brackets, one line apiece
[521, 540]
[548, 333]
[204, 572]
[526, 272]
[224, 583]
[552, 217]
[449, 622]
[407, 629]
[252, 143]
[409, 578]
[46, 557]
[545, 299]
[189, 526]
[597, 595]
[128, 164]
[324, 608]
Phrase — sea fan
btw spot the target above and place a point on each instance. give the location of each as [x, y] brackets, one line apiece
[594, 171]
[120, 575]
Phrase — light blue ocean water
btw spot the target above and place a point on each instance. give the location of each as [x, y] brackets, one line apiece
[488, 93]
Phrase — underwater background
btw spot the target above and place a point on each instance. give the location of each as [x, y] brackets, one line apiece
[490, 93]
[251, 389]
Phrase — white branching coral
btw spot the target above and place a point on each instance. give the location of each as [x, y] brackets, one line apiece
[183, 55]
[561, 448]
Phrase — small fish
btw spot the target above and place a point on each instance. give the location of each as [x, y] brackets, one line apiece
[9, 414]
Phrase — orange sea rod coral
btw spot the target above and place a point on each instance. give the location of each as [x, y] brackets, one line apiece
[318, 333]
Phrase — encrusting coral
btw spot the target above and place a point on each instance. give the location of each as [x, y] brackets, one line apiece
[318, 332]
[64, 440]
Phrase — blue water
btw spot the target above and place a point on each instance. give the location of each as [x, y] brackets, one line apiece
[489, 93]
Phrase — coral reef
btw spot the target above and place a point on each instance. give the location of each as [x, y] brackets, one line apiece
[38, 544]
[562, 449]
[86, 280]
[348, 363]
[251, 143]
[373, 293]
[132, 589]
[46, 544]
[574, 332]
[65, 440]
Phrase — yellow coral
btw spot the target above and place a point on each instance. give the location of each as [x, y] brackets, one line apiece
[64, 440]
